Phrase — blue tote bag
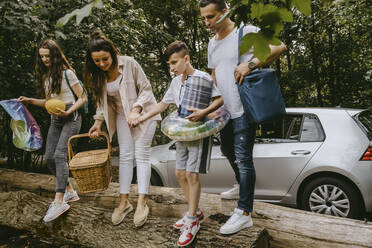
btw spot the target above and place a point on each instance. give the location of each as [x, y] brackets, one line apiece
[260, 93]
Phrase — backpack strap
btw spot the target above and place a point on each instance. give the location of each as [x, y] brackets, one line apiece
[240, 41]
[69, 86]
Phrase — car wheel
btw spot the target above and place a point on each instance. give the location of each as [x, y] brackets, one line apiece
[331, 196]
[155, 179]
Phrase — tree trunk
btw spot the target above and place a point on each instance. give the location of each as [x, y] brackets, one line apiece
[289, 227]
[91, 226]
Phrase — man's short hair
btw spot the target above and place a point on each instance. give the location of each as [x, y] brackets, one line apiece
[176, 47]
[220, 4]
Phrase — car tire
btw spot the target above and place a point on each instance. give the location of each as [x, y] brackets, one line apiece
[155, 179]
[345, 202]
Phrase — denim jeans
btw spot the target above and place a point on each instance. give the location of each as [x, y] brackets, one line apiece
[227, 147]
[244, 136]
[60, 130]
[237, 140]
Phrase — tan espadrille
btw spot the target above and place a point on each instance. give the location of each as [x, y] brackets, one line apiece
[118, 215]
[140, 216]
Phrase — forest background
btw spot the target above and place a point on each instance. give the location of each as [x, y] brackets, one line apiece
[328, 62]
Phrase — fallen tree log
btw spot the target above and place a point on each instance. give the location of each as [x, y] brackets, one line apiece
[91, 226]
[288, 227]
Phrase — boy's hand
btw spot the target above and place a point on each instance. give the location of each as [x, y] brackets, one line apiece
[197, 114]
[141, 119]
[133, 119]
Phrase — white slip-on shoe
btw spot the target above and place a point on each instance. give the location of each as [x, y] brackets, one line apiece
[236, 222]
[70, 197]
[55, 210]
[231, 194]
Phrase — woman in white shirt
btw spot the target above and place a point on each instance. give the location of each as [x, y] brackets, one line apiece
[122, 91]
[53, 74]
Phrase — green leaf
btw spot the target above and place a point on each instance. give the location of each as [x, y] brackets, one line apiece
[63, 20]
[83, 12]
[247, 42]
[304, 6]
[98, 4]
[291, 3]
[256, 10]
[261, 47]
[269, 8]
[285, 14]
[61, 35]
[274, 41]
[277, 27]
[260, 42]
[80, 13]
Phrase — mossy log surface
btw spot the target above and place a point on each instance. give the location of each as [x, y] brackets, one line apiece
[288, 227]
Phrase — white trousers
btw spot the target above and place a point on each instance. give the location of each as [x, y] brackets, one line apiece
[130, 149]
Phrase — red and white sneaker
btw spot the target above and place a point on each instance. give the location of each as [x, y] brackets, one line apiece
[189, 231]
[179, 224]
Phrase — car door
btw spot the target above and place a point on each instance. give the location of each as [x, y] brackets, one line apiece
[282, 150]
[220, 176]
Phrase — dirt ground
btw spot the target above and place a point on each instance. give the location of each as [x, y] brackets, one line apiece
[13, 238]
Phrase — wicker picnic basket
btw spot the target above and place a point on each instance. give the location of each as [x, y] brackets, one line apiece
[90, 169]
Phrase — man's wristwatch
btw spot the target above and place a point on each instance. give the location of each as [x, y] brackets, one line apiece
[252, 65]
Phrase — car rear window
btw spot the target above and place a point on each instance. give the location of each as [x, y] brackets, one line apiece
[312, 130]
[282, 130]
[365, 120]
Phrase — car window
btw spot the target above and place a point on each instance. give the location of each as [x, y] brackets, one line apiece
[173, 147]
[311, 129]
[283, 130]
[365, 119]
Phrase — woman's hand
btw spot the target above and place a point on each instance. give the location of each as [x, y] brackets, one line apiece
[61, 112]
[24, 99]
[94, 130]
[133, 119]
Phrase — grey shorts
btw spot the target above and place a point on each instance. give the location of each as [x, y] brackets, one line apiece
[194, 156]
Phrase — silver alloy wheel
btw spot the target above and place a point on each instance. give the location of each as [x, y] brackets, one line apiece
[330, 200]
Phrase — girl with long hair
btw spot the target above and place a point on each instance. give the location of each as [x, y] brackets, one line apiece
[53, 74]
[122, 92]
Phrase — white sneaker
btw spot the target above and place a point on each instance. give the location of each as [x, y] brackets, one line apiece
[180, 223]
[70, 197]
[231, 194]
[189, 231]
[236, 222]
[55, 210]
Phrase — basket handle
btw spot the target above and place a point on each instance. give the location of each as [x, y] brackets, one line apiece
[71, 152]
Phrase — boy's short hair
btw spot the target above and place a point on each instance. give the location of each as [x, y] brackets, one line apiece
[176, 47]
[220, 4]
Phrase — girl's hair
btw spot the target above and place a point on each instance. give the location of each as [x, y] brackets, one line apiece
[58, 63]
[94, 77]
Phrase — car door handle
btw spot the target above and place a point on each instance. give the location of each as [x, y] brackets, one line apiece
[300, 152]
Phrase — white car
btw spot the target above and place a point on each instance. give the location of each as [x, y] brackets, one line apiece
[318, 159]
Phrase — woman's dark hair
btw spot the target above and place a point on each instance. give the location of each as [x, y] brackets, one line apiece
[94, 77]
[58, 63]
[220, 4]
